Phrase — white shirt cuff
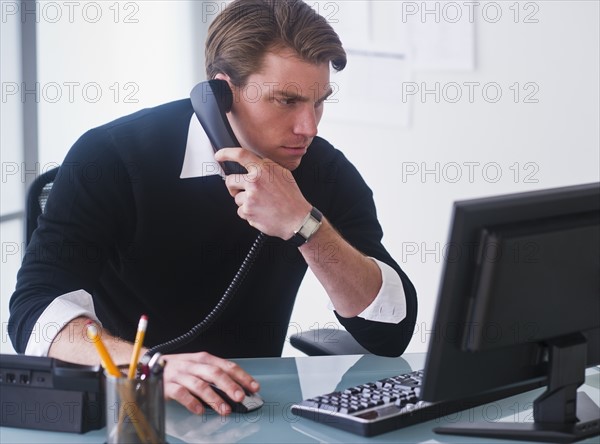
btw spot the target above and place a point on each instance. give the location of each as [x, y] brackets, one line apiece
[389, 305]
[60, 312]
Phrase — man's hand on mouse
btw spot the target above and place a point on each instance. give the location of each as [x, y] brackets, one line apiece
[188, 377]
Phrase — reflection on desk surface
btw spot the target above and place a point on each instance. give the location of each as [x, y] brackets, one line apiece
[286, 381]
[211, 427]
[354, 370]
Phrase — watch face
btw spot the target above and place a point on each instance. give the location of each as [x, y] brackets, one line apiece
[309, 227]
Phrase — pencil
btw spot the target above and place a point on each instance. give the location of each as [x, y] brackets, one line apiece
[137, 346]
[107, 362]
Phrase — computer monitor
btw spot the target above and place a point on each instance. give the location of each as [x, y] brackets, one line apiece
[519, 307]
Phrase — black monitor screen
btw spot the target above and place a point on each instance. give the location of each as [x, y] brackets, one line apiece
[519, 296]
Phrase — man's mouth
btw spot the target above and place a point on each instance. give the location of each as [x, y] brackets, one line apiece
[296, 150]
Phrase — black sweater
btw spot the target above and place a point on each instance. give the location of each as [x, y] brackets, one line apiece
[121, 224]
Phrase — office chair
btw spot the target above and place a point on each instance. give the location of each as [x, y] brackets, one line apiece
[36, 200]
[327, 341]
[318, 342]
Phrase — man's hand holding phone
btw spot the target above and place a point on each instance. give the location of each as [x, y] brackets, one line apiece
[268, 196]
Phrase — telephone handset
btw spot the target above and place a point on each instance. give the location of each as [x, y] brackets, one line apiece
[211, 100]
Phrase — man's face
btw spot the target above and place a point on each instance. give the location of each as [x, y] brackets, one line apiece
[275, 115]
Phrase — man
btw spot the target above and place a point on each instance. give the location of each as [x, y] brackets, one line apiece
[140, 221]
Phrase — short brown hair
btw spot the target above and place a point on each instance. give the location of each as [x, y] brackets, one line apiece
[245, 30]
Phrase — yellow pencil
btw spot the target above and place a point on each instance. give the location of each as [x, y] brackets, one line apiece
[137, 346]
[107, 362]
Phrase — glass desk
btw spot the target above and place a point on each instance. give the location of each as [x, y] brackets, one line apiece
[285, 381]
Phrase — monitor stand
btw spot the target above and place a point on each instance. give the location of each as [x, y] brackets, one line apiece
[561, 414]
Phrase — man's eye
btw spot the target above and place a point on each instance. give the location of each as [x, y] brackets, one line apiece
[286, 101]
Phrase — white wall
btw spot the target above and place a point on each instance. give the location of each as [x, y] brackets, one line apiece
[11, 110]
[107, 60]
[11, 159]
[549, 143]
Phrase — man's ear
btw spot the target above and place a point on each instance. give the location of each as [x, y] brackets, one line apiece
[223, 76]
[234, 90]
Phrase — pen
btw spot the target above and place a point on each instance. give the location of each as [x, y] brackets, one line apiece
[107, 362]
[156, 364]
[137, 346]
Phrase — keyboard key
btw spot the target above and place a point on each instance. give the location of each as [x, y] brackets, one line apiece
[328, 408]
[310, 403]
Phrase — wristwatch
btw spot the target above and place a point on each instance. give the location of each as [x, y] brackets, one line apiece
[309, 226]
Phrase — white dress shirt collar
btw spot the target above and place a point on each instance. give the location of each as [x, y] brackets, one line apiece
[199, 159]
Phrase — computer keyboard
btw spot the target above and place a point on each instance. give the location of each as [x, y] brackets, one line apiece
[378, 407]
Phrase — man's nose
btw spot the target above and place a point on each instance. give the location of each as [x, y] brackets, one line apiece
[306, 121]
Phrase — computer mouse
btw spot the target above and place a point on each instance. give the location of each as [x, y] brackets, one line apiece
[251, 402]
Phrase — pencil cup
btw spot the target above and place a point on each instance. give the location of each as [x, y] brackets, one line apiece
[135, 410]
